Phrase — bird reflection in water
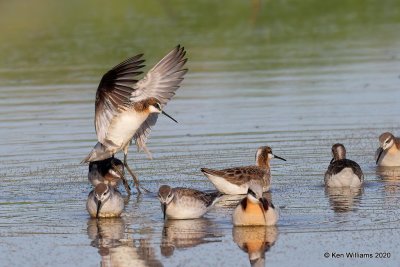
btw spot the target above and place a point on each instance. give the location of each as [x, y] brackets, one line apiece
[182, 234]
[391, 178]
[344, 199]
[115, 246]
[255, 241]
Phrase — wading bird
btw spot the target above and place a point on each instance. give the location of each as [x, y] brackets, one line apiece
[126, 109]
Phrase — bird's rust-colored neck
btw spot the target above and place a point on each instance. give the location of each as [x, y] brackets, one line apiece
[262, 157]
[143, 106]
[263, 161]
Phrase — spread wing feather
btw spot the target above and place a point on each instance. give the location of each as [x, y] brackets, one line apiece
[160, 82]
[114, 91]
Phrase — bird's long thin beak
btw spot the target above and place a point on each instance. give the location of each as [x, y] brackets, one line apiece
[164, 209]
[98, 208]
[277, 157]
[332, 160]
[164, 113]
[379, 156]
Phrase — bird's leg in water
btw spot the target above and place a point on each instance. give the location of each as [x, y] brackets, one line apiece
[124, 181]
[135, 179]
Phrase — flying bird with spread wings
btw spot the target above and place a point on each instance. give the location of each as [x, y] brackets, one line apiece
[126, 108]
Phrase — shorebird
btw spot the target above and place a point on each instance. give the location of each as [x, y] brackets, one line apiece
[237, 180]
[109, 171]
[185, 203]
[255, 209]
[341, 171]
[126, 109]
[388, 154]
[104, 201]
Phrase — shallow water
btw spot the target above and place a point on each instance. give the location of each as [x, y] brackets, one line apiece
[259, 75]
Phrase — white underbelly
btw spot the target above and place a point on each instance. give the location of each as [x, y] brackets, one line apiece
[388, 160]
[113, 207]
[183, 211]
[344, 178]
[123, 127]
[226, 187]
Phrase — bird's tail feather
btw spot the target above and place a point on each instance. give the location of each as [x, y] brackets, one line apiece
[99, 152]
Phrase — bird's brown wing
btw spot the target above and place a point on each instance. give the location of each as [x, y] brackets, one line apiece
[114, 91]
[238, 175]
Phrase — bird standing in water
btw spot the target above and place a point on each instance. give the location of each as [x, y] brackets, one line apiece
[343, 172]
[185, 203]
[109, 171]
[237, 180]
[104, 201]
[255, 209]
[126, 109]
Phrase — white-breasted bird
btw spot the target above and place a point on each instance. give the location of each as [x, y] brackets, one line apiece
[185, 203]
[126, 109]
[343, 172]
[104, 201]
[237, 180]
[388, 153]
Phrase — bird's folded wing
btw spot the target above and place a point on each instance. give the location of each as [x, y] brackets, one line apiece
[114, 91]
[238, 175]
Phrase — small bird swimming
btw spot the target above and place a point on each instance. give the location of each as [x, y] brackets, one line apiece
[109, 171]
[126, 109]
[185, 203]
[342, 172]
[388, 153]
[236, 181]
[104, 201]
[255, 209]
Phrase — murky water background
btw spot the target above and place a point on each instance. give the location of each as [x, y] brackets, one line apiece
[295, 75]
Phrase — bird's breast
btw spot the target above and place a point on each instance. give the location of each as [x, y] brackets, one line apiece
[124, 126]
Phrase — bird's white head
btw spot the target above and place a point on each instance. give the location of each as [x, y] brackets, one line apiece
[156, 107]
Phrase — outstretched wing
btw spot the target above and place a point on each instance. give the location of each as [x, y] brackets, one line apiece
[163, 79]
[114, 91]
[160, 82]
